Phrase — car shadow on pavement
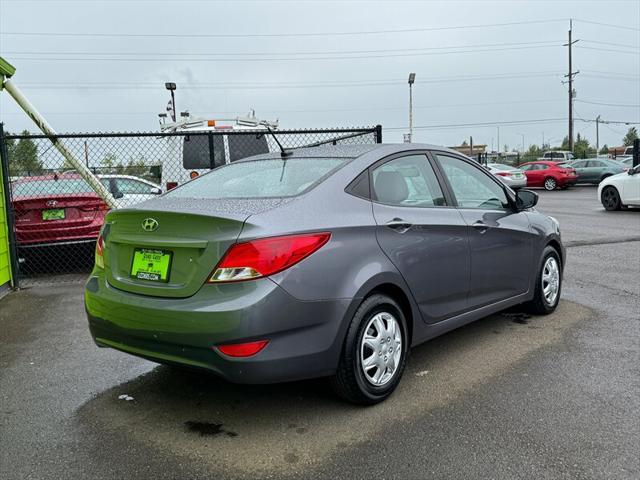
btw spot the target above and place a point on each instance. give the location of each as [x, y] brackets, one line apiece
[288, 427]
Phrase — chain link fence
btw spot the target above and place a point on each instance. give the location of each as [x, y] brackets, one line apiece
[55, 216]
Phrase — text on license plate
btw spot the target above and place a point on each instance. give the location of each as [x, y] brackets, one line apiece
[150, 264]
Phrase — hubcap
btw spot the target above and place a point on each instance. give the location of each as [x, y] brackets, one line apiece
[550, 184]
[381, 349]
[550, 281]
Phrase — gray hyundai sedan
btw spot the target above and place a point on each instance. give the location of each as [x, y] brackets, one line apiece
[320, 262]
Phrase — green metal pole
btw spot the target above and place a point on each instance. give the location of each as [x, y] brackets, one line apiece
[6, 72]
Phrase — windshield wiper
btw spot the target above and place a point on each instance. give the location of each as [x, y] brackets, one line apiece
[283, 153]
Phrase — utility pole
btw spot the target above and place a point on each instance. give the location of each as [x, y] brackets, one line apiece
[597, 134]
[498, 149]
[570, 76]
[522, 143]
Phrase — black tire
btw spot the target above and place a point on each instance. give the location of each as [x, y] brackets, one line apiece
[539, 304]
[550, 184]
[610, 198]
[349, 382]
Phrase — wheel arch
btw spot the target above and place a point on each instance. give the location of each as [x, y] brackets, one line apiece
[398, 294]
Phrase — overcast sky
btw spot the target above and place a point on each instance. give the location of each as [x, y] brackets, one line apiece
[100, 65]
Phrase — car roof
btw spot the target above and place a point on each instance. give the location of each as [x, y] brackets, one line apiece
[351, 151]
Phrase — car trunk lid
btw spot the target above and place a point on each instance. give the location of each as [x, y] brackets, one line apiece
[169, 247]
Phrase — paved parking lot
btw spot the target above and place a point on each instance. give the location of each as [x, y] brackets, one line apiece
[506, 397]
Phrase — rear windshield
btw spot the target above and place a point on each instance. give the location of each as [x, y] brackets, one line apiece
[50, 187]
[260, 178]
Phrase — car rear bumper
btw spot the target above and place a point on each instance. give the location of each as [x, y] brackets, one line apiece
[567, 181]
[514, 183]
[305, 338]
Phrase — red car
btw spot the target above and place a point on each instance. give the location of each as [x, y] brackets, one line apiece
[549, 175]
[56, 209]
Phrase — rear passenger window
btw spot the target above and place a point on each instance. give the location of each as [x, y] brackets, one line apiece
[407, 182]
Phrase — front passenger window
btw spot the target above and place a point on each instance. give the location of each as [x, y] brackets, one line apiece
[471, 186]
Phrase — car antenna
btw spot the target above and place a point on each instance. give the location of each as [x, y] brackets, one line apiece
[283, 153]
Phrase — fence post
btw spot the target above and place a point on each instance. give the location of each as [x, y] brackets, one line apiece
[13, 251]
[636, 154]
[378, 133]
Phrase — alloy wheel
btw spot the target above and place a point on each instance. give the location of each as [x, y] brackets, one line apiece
[550, 184]
[610, 199]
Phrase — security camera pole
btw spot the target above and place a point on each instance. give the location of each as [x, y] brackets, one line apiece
[6, 72]
[412, 79]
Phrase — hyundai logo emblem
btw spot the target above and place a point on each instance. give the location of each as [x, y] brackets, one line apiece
[149, 224]
[52, 203]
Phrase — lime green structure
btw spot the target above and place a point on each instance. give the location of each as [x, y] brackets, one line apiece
[6, 70]
[5, 263]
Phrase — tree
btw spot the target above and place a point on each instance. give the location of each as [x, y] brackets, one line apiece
[109, 160]
[581, 147]
[23, 157]
[604, 150]
[565, 144]
[631, 135]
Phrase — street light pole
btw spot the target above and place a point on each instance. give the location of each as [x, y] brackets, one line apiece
[412, 79]
[172, 88]
[522, 142]
[598, 134]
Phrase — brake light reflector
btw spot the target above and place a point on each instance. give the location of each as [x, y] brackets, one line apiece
[100, 252]
[242, 349]
[263, 257]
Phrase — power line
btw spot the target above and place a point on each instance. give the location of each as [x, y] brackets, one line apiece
[267, 35]
[334, 52]
[625, 45]
[602, 24]
[306, 110]
[482, 124]
[278, 85]
[609, 104]
[141, 59]
[607, 50]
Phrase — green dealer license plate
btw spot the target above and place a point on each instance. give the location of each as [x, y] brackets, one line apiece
[53, 214]
[151, 264]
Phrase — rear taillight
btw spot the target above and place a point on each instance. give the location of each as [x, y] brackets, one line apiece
[503, 174]
[263, 257]
[100, 252]
[242, 349]
[171, 185]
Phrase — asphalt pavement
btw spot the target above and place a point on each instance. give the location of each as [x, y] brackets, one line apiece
[506, 397]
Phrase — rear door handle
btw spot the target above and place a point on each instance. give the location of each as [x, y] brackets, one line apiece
[399, 225]
[480, 226]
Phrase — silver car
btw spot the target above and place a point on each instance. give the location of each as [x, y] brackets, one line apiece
[511, 176]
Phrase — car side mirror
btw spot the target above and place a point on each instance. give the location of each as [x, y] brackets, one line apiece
[156, 191]
[634, 170]
[526, 199]
[118, 194]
